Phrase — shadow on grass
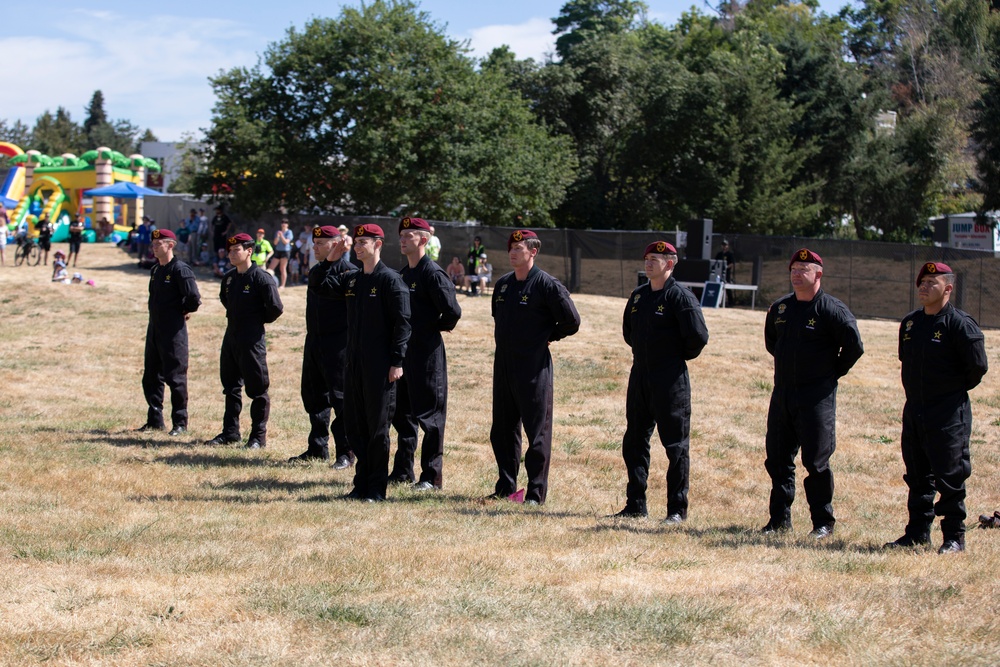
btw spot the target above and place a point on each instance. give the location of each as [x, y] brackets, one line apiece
[133, 439]
[500, 508]
[736, 537]
[123, 266]
[268, 484]
[214, 460]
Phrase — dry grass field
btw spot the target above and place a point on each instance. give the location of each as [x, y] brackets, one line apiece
[118, 548]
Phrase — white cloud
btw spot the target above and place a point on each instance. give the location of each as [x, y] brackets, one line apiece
[531, 39]
[153, 70]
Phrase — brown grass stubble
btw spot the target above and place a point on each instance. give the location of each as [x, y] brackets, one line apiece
[120, 549]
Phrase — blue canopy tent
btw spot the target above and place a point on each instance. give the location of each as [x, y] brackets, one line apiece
[123, 190]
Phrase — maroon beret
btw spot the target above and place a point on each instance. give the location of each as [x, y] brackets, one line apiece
[326, 232]
[414, 223]
[661, 247]
[369, 230]
[164, 234]
[238, 239]
[520, 235]
[805, 255]
[933, 268]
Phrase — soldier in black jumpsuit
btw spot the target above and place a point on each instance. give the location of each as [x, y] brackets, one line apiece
[665, 328]
[378, 317]
[943, 356]
[814, 343]
[422, 392]
[251, 301]
[529, 314]
[324, 360]
[173, 296]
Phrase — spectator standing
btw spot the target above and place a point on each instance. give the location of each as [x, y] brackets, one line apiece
[251, 300]
[44, 229]
[282, 251]
[222, 228]
[472, 263]
[726, 255]
[262, 250]
[422, 391]
[173, 296]
[143, 236]
[195, 240]
[183, 238]
[433, 246]
[814, 340]
[943, 356]
[531, 309]
[664, 326]
[75, 238]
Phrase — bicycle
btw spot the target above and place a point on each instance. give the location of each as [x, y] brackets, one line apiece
[27, 251]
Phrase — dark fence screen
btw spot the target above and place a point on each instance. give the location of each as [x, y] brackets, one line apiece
[873, 279]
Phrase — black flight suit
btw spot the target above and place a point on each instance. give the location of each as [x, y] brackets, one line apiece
[665, 329]
[324, 361]
[251, 301]
[378, 317]
[943, 356]
[528, 315]
[422, 393]
[173, 293]
[814, 343]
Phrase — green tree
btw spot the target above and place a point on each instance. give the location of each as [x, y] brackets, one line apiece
[58, 134]
[96, 117]
[120, 135]
[986, 126]
[190, 164]
[373, 110]
[17, 133]
[582, 20]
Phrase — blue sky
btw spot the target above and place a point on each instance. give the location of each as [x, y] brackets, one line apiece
[152, 60]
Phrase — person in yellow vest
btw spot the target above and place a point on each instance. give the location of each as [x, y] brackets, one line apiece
[262, 250]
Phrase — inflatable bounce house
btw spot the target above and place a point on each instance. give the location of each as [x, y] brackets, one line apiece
[56, 188]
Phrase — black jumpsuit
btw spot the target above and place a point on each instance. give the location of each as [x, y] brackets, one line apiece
[814, 343]
[251, 301]
[378, 317]
[943, 356]
[173, 293]
[323, 362]
[528, 315]
[422, 393]
[665, 329]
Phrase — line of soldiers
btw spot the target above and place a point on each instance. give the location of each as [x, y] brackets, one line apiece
[374, 356]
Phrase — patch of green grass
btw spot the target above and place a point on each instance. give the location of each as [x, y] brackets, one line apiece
[351, 615]
[878, 439]
[664, 623]
[850, 563]
[932, 595]
[572, 446]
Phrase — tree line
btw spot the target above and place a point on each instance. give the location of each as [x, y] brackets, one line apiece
[55, 134]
